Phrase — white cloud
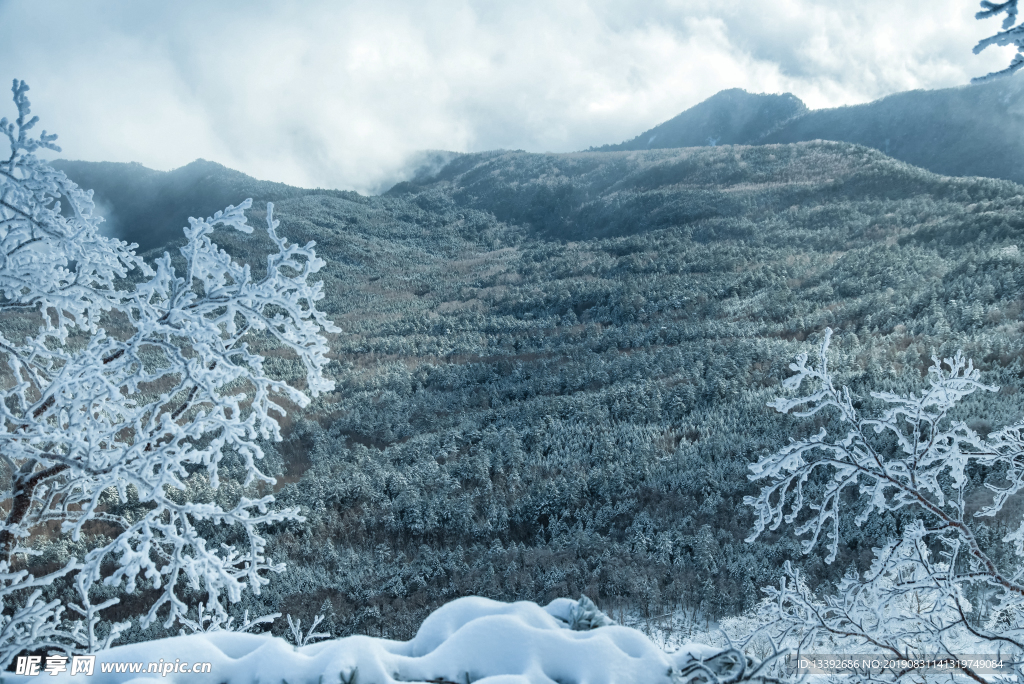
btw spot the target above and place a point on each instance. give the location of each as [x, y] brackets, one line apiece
[338, 94]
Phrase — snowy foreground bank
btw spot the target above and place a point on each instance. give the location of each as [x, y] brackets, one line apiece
[471, 639]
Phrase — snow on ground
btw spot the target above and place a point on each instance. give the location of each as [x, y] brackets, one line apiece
[677, 629]
[471, 639]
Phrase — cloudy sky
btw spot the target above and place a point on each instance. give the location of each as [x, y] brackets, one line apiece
[325, 93]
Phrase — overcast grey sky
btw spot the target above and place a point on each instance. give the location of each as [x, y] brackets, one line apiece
[338, 94]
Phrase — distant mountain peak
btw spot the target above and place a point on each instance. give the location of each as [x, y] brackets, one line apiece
[150, 207]
[969, 130]
[728, 117]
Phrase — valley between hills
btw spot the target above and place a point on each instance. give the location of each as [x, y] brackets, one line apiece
[554, 369]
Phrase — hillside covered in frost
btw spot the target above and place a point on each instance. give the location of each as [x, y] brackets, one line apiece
[554, 369]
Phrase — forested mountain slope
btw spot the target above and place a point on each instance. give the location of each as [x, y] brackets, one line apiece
[554, 368]
[150, 207]
[970, 130]
[973, 130]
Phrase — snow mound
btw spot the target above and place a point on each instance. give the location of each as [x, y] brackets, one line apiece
[471, 639]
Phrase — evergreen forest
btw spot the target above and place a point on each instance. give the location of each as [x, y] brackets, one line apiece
[555, 369]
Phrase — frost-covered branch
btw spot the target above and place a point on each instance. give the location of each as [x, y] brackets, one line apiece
[304, 639]
[1011, 34]
[124, 393]
[908, 454]
[210, 619]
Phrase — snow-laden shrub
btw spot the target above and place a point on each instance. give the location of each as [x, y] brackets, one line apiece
[910, 454]
[126, 380]
[586, 615]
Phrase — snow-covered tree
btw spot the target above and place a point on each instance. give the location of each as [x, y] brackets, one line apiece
[909, 454]
[1012, 34]
[117, 394]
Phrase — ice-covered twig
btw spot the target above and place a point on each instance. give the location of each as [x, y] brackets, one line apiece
[907, 454]
[127, 396]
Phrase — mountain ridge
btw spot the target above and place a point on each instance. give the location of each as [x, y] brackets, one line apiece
[728, 117]
[151, 207]
[962, 131]
[969, 130]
